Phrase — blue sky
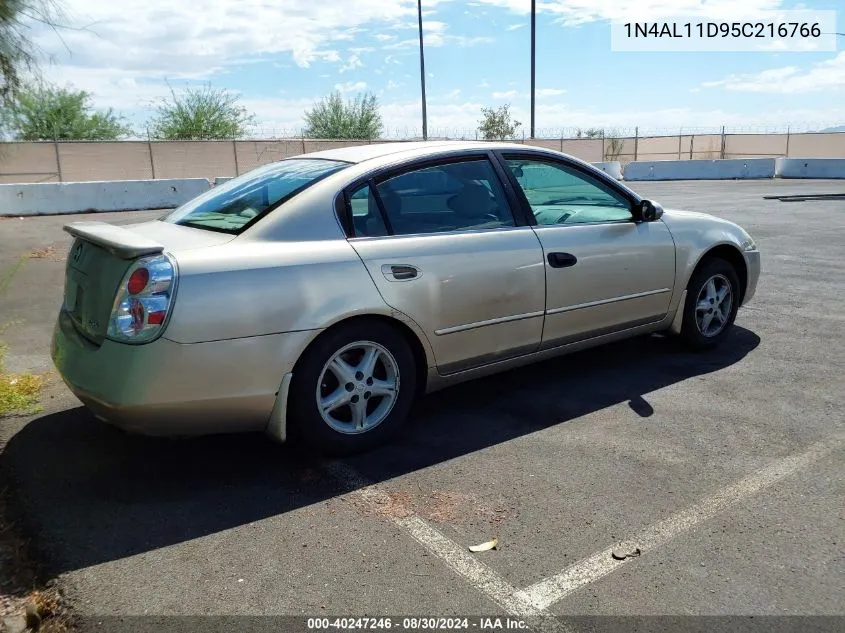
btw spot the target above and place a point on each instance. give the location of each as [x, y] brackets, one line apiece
[281, 56]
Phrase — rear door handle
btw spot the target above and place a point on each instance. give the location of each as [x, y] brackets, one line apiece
[562, 260]
[400, 272]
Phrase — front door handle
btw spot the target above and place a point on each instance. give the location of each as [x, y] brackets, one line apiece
[400, 272]
[562, 260]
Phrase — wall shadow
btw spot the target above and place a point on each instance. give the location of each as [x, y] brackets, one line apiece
[88, 493]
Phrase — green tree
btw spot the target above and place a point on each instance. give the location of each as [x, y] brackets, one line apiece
[17, 51]
[357, 118]
[497, 125]
[200, 114]
[46, 112]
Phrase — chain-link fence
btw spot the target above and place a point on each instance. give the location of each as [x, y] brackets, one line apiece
[73, 161]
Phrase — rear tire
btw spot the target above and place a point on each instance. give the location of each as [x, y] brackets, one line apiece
[353, 389]
[713, 296]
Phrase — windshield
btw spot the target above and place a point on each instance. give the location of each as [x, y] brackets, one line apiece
[231, 206]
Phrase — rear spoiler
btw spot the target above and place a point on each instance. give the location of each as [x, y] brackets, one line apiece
[118, 241]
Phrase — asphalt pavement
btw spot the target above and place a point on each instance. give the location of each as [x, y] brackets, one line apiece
[725, 469]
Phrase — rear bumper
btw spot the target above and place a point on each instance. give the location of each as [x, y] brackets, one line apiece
[752, 264]
[168, 388]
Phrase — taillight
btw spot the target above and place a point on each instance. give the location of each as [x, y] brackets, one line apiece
[143, 300]
[138, 281]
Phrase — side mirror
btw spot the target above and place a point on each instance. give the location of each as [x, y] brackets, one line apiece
[650, 211]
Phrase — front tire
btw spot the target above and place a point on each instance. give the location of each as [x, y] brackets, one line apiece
[713, 297]
[353, 389]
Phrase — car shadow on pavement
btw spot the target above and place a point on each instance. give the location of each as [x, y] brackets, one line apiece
[88, 493]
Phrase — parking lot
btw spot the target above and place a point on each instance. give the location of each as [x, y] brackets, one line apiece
[725, 469]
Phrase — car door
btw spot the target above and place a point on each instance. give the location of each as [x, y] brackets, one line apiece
[446, 246]
[605, 269]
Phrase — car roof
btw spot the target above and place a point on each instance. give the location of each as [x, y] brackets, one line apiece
[395, 150]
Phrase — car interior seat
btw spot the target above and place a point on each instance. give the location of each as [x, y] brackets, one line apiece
[475, 206]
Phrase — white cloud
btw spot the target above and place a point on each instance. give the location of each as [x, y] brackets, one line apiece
[403, 118]
[571, 12]
[384, 37]
[351, 86]
[464, 42]
[162, 37]
[114, 87]
[279, 117]
[353, 62]
[549, 92]
[408, 44]
[514, 27]
[541, 93]
[822, 76]
[434, 36]
[326, 56]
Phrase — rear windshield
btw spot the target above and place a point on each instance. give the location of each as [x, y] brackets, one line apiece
[231, 206]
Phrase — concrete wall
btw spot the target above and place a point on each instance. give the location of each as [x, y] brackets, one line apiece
[39, 193]
[141, 160]
[106, 161]
[729, 169]
[28, 162]
[612, 168]
[810, 168]
[76, 197]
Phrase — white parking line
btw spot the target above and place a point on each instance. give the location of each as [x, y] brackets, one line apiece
[535, 600]
[545, 593]
[455, 556]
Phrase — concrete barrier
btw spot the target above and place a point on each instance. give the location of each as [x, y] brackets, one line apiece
[53, 198]
[219, 180]
[611, 168]
[810, 168]
[721, 169]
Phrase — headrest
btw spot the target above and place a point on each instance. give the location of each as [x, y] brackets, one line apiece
[473, 201]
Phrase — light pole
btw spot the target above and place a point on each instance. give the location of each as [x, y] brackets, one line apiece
[533, 56]
[422, 72]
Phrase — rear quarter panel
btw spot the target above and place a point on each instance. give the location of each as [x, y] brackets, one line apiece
[254, 288]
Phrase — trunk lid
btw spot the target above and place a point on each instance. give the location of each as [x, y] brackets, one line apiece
[100, 257]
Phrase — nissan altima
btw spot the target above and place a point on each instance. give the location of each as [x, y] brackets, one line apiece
[316, 297]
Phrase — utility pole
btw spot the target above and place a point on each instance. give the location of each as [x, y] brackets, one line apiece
[422, 73]
[533, 56]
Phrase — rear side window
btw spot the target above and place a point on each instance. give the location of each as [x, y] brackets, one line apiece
[231, 206]
[366, 218]
[450, 197]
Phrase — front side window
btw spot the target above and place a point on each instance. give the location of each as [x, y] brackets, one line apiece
[561, 195]
[230, 206]
[450, 197]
